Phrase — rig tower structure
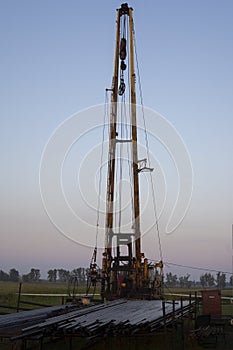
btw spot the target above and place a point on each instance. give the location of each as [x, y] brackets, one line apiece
[125, 270]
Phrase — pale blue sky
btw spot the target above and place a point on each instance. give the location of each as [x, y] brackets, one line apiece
[57, 58]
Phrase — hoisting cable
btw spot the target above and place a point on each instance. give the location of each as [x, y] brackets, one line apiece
[147, 148]
[92, 276]
[120, 161]
[195, 267]
[129, 133]
[101, 168]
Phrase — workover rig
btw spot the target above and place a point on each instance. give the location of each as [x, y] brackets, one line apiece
[125, 270]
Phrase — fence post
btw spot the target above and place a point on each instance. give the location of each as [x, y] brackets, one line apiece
[173, 308]
[164, 311]
[19, 296]
[195, 308]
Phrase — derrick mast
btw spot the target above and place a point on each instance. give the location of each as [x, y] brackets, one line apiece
[125, 270]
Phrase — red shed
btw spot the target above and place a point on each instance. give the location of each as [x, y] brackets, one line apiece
[211, 303]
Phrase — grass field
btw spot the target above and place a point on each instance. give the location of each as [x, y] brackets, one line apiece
[9, 294]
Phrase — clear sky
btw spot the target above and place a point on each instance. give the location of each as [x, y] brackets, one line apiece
[57, 59]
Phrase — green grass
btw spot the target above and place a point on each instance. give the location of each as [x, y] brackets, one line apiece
[9, 294]
[224, 292]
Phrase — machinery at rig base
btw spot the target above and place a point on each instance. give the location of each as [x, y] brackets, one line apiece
[125, 270]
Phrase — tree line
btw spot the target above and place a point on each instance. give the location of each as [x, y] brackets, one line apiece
[53, 275]
[207, 280]
[61, 275]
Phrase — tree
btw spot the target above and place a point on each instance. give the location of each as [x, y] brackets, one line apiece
[32, 276]
[184, 281]
[52, 275]
[171, 280]
[63, 275]
[80, 274]
[25, 278]
[14, 275]
[207, 280]
[231, 280]
[221, 280]
[4, 276]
